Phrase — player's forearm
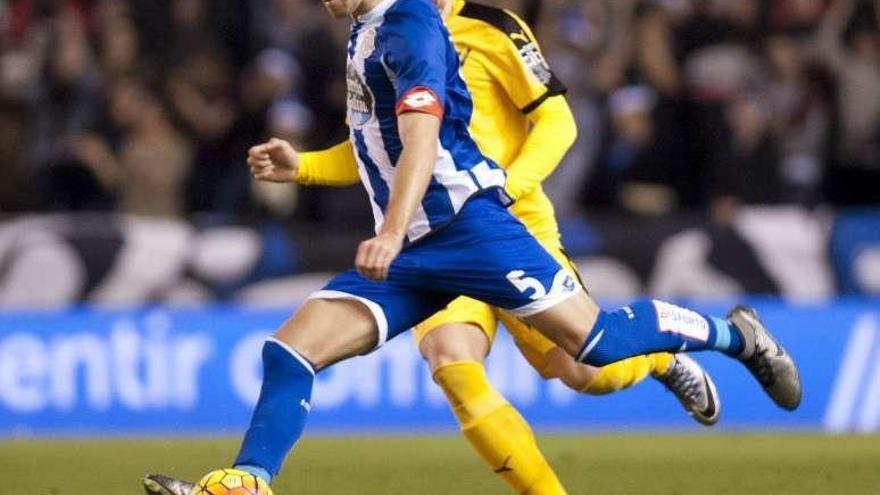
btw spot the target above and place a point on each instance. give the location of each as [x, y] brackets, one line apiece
[334, 166]
[413, 171]
[552, 134]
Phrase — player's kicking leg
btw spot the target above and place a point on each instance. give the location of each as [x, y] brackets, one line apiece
[519, 275]
[682, 376]
[651, 326]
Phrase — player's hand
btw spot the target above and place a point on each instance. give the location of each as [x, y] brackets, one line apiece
[374, 256]
[274, 161]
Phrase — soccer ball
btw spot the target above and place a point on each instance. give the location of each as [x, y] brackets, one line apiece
[231, 482]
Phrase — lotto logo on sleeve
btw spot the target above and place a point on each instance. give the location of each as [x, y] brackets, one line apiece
[420, 99]
[681, 321]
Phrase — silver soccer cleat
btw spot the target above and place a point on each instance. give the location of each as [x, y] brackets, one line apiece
[157, 484]
[766, 359]
[694, 388]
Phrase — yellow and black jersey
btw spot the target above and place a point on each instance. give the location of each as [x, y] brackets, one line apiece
[506, 74]
[508, 78]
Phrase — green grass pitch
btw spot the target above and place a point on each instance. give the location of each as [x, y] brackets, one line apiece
[601, 464]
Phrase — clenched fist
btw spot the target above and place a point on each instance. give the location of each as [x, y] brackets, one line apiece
[374, 256]
[274, 161]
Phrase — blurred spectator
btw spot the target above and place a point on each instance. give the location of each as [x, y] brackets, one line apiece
[13, 125]
[68, 96]
[279, 23]
[630, 172]
[200, 91]
[800, 114]
[148, 174]
[848, 45]
[117, 40]
[796, 14]
[169, 30]
[747, 170]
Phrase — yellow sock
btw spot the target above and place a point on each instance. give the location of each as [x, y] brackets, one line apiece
[496, 430]
[628, 372]
[660, 362]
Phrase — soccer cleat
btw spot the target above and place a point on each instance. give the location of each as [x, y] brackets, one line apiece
[157, 484]
[694, 388]
[766, 359]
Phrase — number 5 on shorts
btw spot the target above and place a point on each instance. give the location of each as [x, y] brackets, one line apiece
[523, 283]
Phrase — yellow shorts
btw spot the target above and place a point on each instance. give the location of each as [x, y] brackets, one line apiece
[533, 345]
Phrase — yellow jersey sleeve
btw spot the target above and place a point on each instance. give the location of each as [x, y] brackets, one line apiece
[552, 134]
[513, 57]
[334, 166]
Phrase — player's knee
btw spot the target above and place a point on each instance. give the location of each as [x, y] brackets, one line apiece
[452, 343]
[582, 380]
[576, 376]
[567, 323]
[313, 331]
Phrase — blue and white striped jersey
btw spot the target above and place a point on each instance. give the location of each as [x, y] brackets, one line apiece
[400, 59]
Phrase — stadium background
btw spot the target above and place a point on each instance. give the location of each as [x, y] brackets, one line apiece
[728, 151]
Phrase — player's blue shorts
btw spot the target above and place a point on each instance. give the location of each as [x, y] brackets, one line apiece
[484, 253]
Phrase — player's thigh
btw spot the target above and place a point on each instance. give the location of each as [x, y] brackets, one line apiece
[438, 338]
[352, 315]
[548, 296]
[488, 255]
[503, 266]
[454, 342]
[542, 353]
[575, 375]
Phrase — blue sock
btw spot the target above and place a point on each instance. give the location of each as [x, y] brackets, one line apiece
[655, 326]
[281, 411]
[725, 338]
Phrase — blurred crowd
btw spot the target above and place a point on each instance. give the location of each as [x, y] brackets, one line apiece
[148, 107]
[710, 104]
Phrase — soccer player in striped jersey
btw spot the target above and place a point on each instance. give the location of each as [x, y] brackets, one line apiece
[442, 230]
[522, 122]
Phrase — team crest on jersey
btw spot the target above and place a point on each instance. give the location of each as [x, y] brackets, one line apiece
[360, 98]
[535, 61]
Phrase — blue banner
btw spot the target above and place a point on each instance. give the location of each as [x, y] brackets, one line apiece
[162, 371]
